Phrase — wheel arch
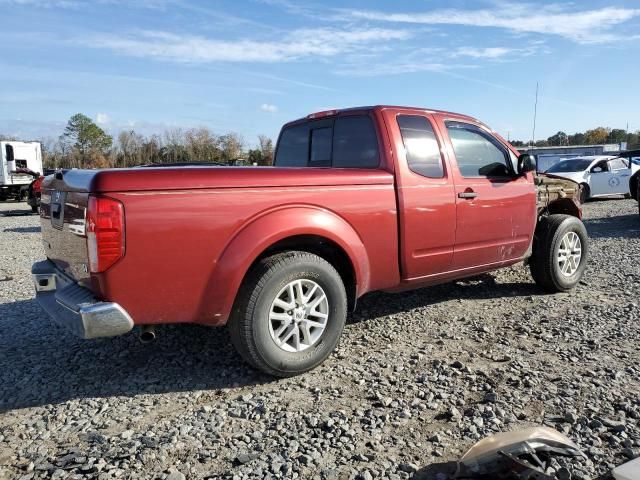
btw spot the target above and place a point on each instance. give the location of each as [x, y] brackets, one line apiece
[564, 206]
[304, 228]
[324, 248]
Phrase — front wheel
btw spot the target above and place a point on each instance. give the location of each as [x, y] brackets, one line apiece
[289, 314]
[560, 250]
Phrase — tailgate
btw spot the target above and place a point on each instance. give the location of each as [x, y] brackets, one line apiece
[62, 217]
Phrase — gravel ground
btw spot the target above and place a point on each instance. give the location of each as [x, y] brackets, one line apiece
[419, 377]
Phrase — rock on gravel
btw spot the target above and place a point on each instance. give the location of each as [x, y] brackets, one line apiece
[419, 377]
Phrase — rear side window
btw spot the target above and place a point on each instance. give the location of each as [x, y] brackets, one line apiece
[346, 142]
[421, 146]
[293, 147]
[478, 154]
[355, 144]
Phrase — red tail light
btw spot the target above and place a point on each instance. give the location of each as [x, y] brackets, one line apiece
[37, 185]
[105, 232]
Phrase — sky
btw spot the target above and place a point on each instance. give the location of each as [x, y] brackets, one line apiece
[250, 66]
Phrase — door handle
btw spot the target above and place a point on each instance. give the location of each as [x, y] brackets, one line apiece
[468, 195]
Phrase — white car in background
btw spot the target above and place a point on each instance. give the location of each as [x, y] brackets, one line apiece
[599, 175]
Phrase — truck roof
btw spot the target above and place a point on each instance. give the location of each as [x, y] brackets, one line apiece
[338, 111]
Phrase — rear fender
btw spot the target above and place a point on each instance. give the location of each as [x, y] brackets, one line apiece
[260, 233]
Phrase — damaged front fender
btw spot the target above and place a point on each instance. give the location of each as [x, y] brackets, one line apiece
[557, 195]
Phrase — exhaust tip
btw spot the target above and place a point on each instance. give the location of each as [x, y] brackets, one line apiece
[148, 334]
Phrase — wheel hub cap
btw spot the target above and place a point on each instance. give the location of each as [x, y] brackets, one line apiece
[298, 315]
[569, 254]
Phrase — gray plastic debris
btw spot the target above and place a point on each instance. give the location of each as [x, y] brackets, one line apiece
[628, 471]
[524, 454]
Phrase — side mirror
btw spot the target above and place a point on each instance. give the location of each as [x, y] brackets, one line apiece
[596, 170]
[526, 163]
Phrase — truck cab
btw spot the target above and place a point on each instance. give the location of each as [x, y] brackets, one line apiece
[450, 170]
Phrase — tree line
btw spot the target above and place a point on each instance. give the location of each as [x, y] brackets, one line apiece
[596, 136]
[84, 144]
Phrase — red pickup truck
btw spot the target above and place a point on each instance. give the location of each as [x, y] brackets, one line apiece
[372, 198]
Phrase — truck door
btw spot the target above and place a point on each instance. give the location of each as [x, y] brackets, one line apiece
[425, 196]
[495, 208]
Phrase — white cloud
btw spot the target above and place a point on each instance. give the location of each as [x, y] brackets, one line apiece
[299, 44]
[429, 59]
[489, 53]
[267, 107]
[582, 26]
[393, 68]
[152, 4]
[42, 3]
[103, 119]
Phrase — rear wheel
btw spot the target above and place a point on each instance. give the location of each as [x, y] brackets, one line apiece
[560, 250]
[290, 313]
[585, 192]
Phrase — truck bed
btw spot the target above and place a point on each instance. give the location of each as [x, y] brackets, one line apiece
[179, 222]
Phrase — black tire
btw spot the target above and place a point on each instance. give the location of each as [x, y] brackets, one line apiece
[633, 186]
[249, 323]
[585, 193]
[544, 266]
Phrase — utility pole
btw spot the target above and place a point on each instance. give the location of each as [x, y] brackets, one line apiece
[535, 115]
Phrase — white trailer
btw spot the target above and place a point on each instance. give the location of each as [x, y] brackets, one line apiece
[15, 159]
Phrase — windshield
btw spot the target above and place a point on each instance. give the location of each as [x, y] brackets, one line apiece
[574, 165]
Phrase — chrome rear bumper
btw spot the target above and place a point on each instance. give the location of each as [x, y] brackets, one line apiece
[74, 307]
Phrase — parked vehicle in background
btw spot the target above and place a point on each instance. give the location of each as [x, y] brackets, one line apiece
[598, 175]
[633, 156]
[16, 158]
[35, 193]
[372, 198]
[638, 192]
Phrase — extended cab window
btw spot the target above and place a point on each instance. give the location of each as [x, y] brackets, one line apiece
[478, 154]
[346, 142]
[355, 144]
[293, 147]
[421, 146]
